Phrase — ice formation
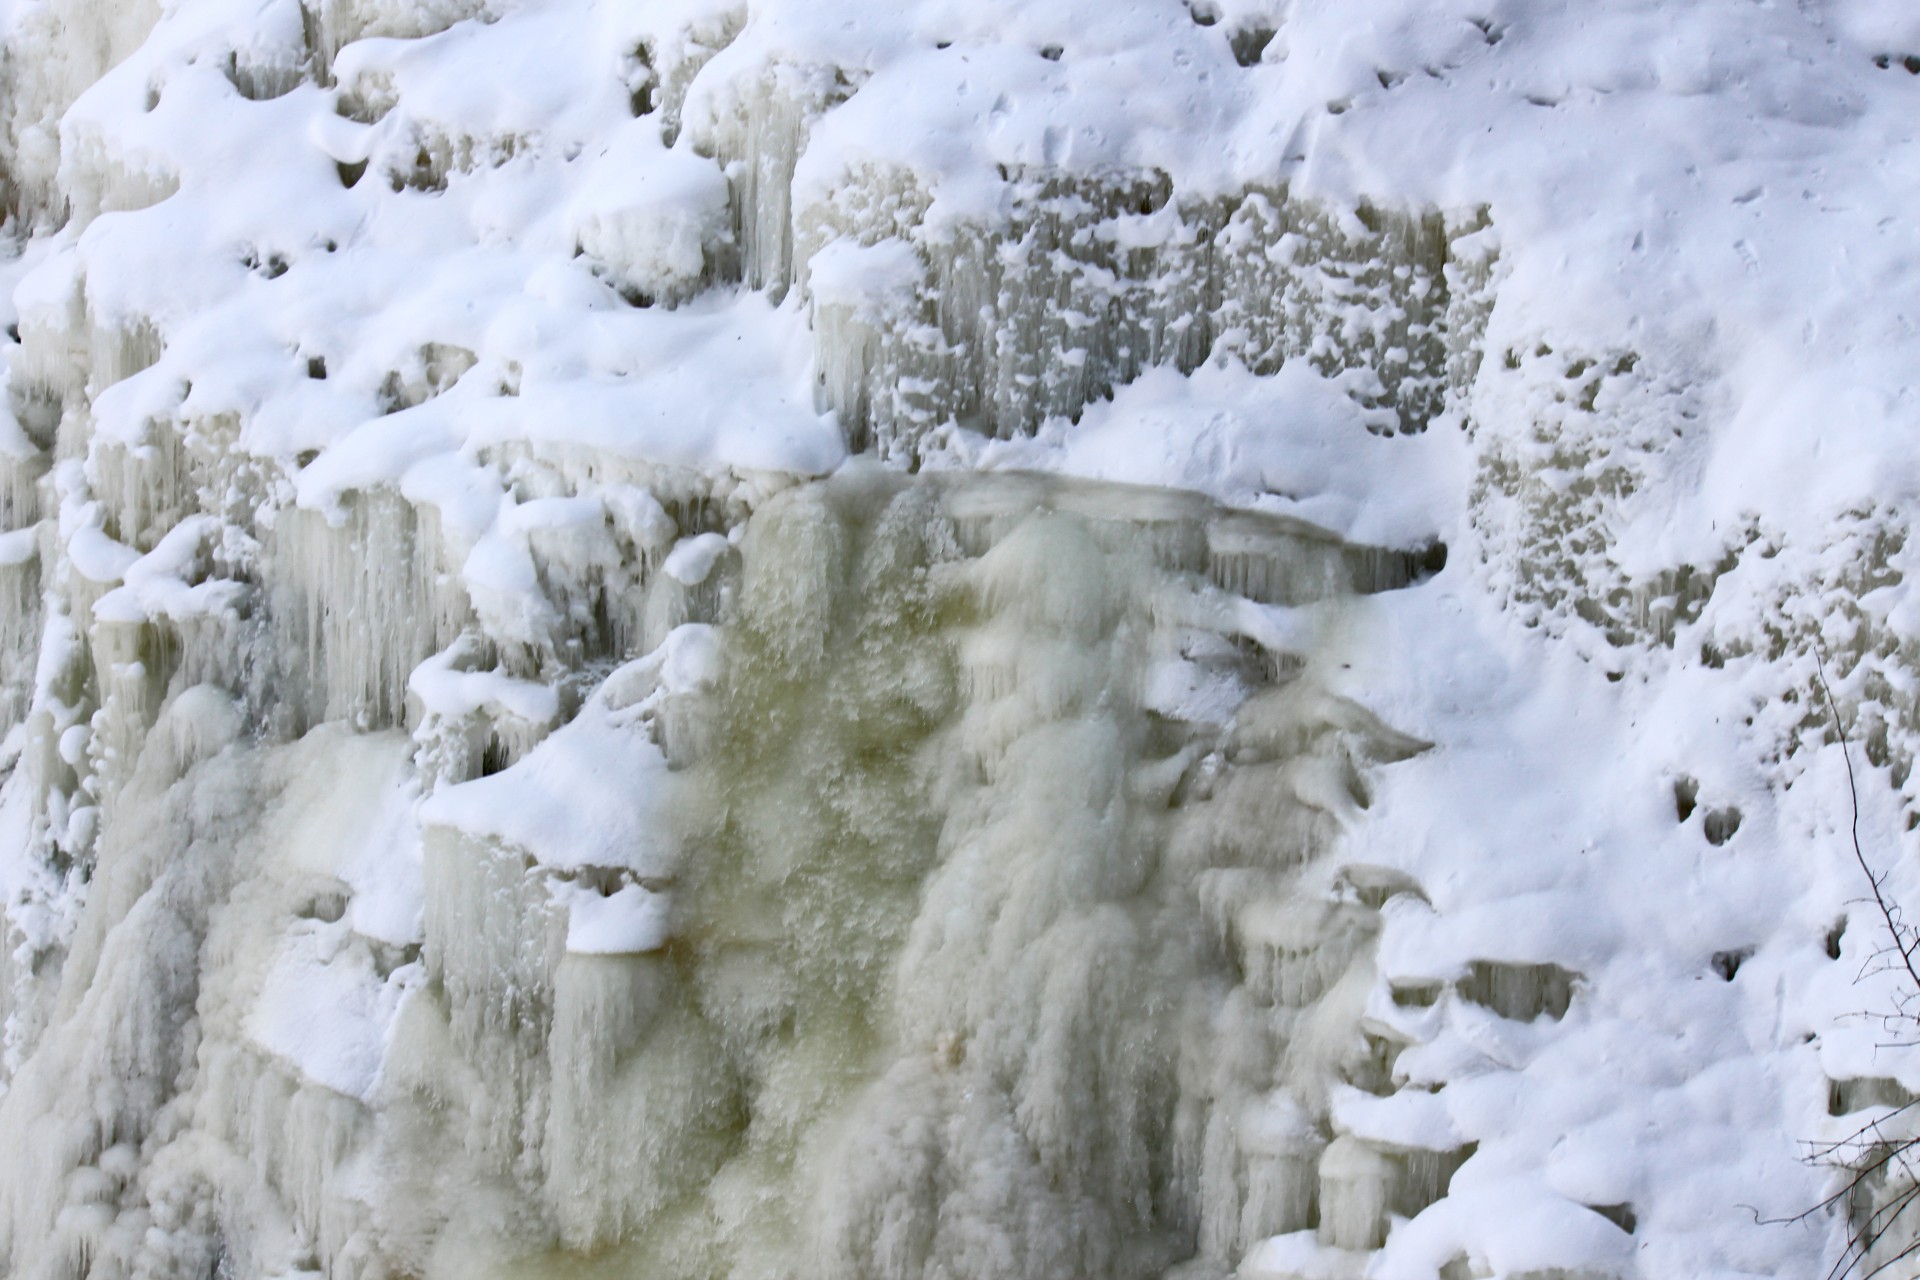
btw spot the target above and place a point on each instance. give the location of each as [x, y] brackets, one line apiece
[986, 642]
[964, 841]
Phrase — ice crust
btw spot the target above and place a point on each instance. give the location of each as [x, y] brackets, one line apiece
[1294, 751]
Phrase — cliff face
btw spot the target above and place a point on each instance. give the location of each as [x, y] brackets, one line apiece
[976, 641]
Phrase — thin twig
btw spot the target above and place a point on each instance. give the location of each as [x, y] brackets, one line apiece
[1866, 1235]
[1905, 1253]
[1888, 913]
[1890, 1211]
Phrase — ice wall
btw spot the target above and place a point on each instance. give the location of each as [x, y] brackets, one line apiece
[1083, 283]
[955, 888]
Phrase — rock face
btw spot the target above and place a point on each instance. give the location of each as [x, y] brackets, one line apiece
[1002, 642]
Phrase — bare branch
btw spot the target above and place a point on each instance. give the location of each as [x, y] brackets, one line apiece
[1888, 912]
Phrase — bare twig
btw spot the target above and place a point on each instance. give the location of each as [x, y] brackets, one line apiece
[1889, 913]
[1872, 1126]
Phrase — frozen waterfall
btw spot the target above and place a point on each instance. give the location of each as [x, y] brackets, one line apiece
[898, 640]
[954, 890]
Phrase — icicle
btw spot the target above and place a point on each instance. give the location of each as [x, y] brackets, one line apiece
[1519, 991]
[1356, 1190]
[639, 1116]
[757, 134]
[99, 177]
[866, 321]
[1293, 951]
[351, 621]
[20, 627]
[47, 376]
[1273, 562]
[75, 44]
[334, 24]
[1424, 1176]
[118, 348]
[21, 466]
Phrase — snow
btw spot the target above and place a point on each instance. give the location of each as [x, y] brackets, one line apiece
[692, 561]
[596, 793]
[630, 919]
[448, 691]
[327, 1012]
[693, 605]
[1295, 444]
[656, 218]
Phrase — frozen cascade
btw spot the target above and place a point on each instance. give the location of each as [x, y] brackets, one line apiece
[885, 955]
[492, 785]
[76, 43]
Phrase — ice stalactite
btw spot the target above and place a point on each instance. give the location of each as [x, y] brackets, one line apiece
[352, 621]
[20, 608]
[21, 466]
[757, 130]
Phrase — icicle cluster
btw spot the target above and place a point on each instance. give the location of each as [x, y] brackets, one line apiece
[1089, 281]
